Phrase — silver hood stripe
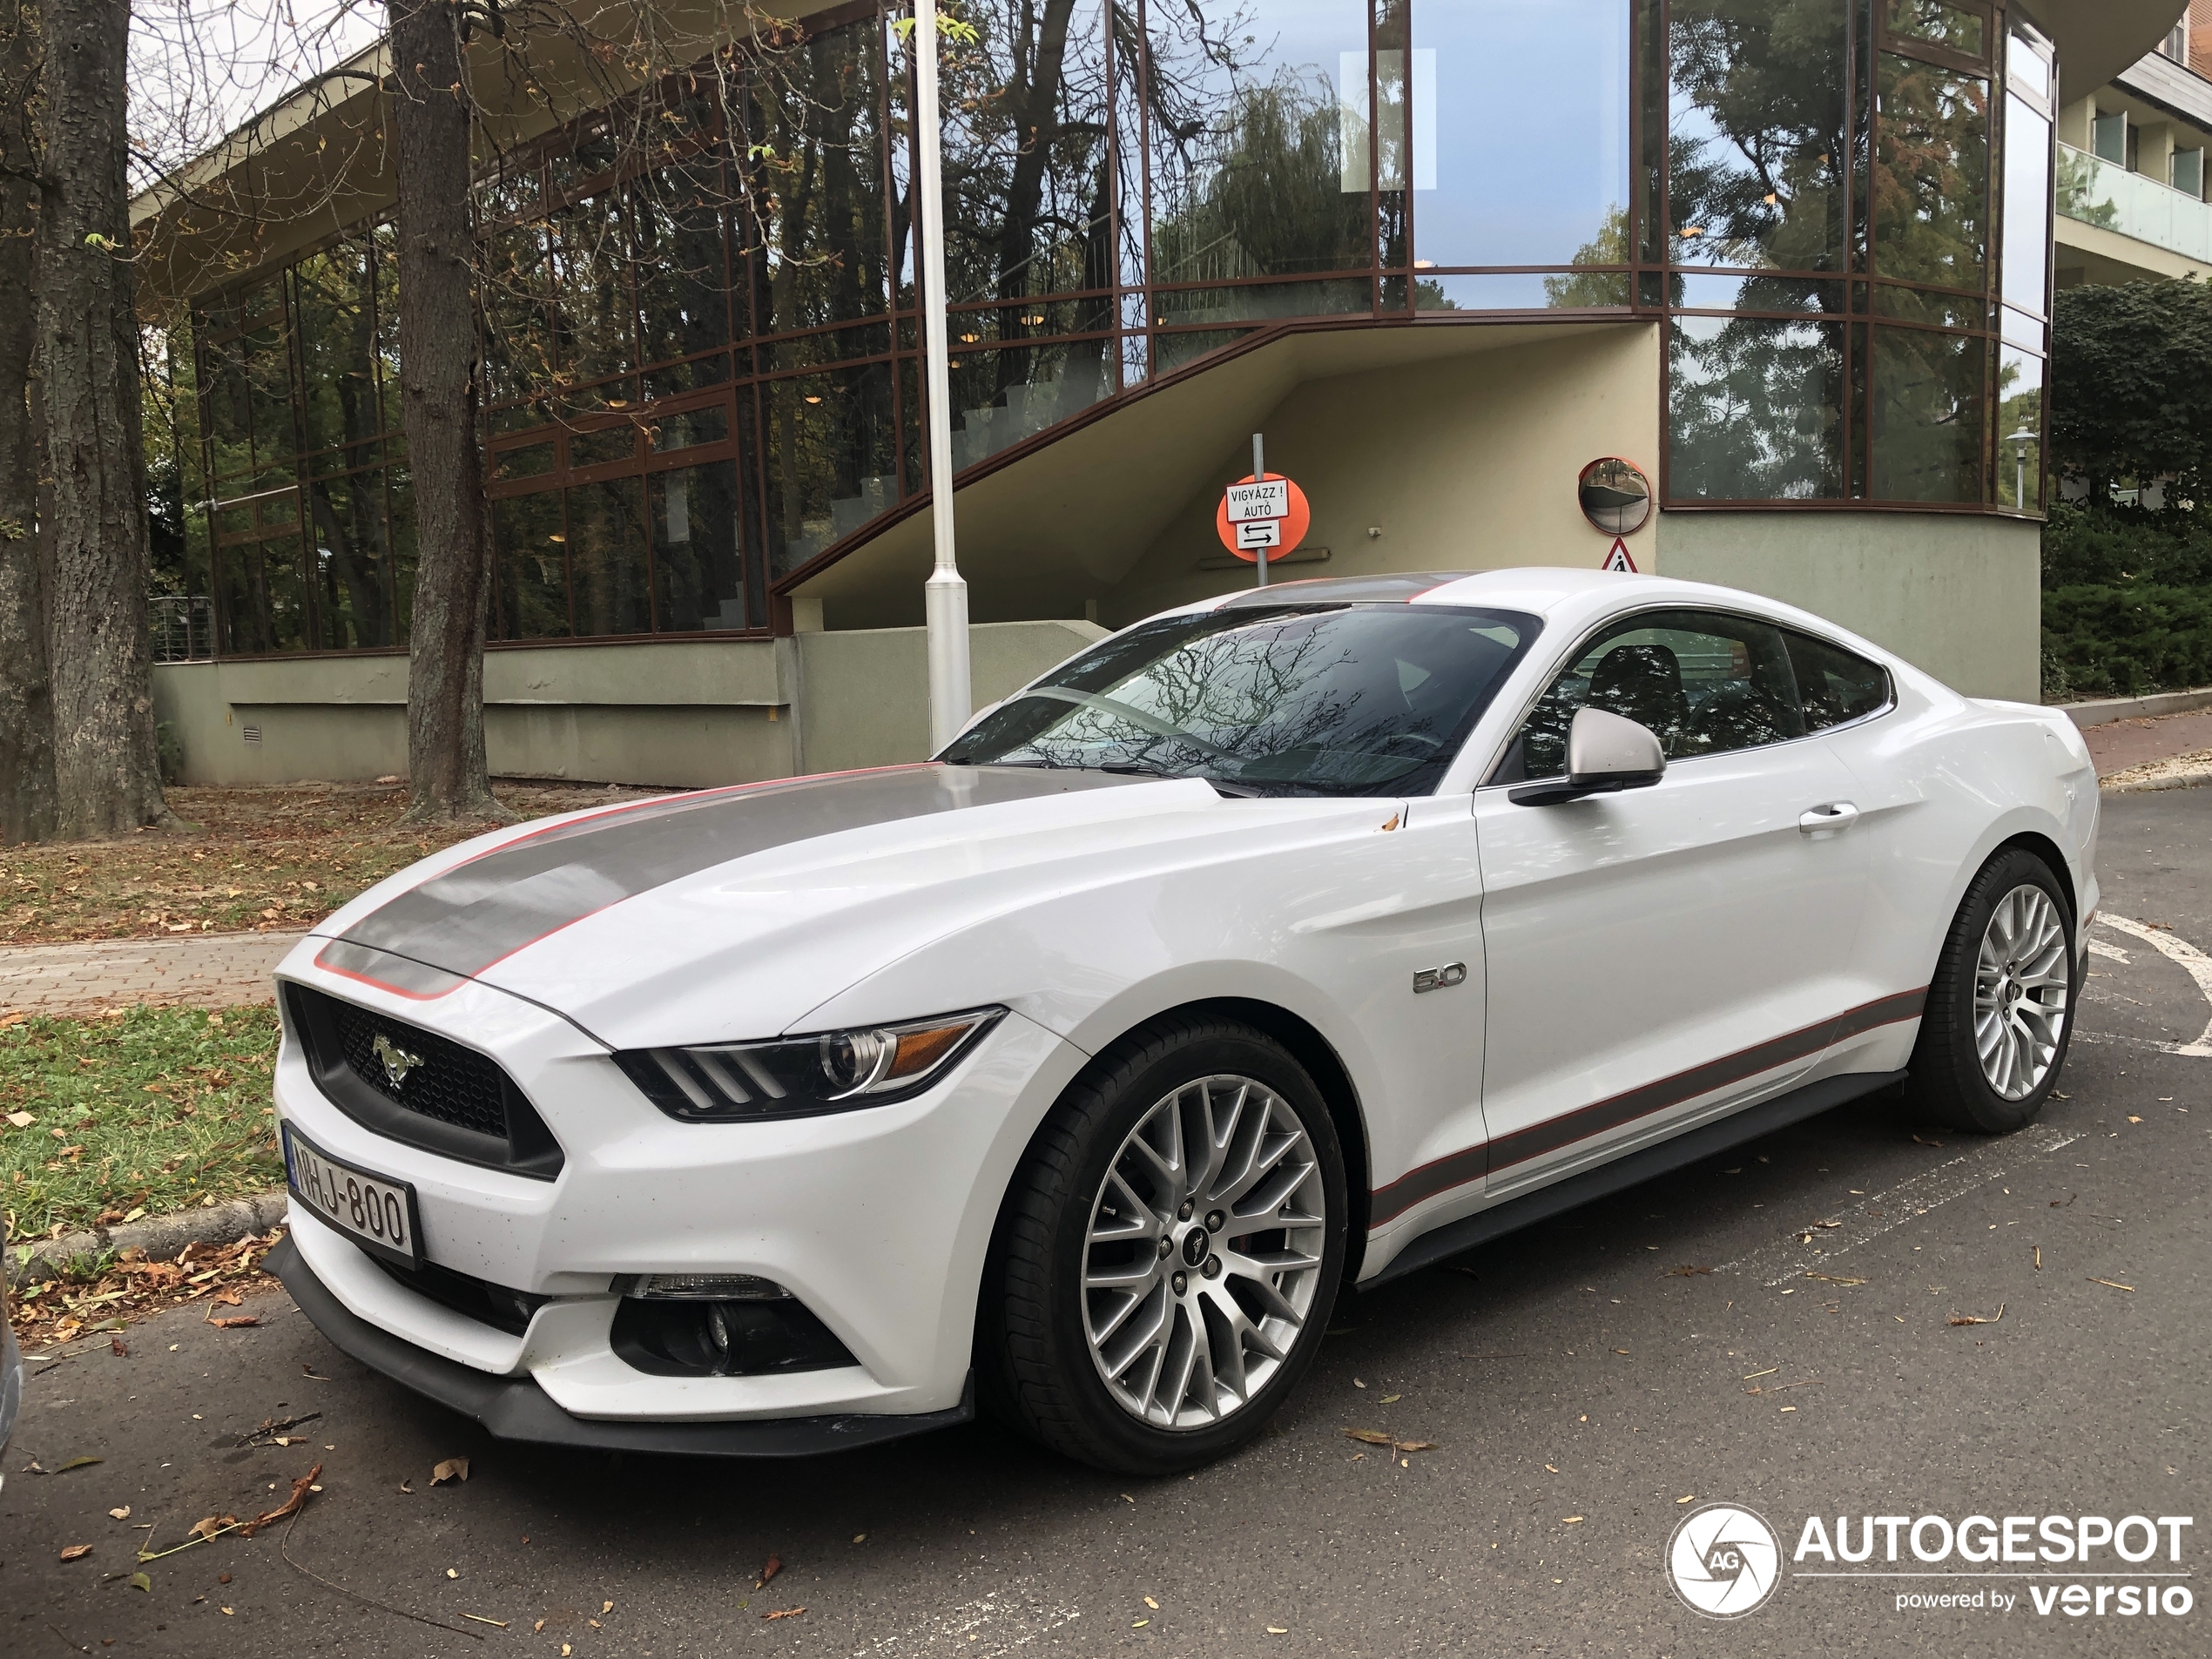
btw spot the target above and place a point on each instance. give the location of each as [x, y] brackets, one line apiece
[464, 919]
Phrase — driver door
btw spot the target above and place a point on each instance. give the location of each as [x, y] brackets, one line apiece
[1664, 954]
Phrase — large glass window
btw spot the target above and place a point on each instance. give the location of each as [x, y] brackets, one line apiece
[1927, 399]
[1930, 183]
[1515, 167]
[1757, 133]
[1755, 409]
[1260, 163]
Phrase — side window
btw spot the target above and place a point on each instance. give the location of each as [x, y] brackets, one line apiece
[1833, 685]
[1705, 682]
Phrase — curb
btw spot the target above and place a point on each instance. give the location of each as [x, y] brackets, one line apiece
[2104, 710]
[160, 1236]
[2176, 781]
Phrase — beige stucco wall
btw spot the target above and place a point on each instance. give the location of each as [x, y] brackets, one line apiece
[864, 699]
[661, 711]
[1959, 595]
[1460, 463]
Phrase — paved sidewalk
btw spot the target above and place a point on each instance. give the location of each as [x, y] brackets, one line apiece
[209, 970]
[2132, 743]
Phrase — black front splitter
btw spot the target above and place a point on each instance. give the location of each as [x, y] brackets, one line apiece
[515, 1408]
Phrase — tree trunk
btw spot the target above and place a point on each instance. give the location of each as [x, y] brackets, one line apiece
[107, 776]
[26, 710]
[446, 776]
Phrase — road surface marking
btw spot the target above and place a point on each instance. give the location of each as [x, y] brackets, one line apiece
[2187, 957]
[991, 1625]
[1788, 1260]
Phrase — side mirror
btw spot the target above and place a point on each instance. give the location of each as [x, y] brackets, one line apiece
[1606, 754]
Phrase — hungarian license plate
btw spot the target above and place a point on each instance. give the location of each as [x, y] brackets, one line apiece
[379, 1214]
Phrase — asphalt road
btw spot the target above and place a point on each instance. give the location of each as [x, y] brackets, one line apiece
[1567, 1373]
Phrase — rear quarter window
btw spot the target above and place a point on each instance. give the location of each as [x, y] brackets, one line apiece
[1834, 685]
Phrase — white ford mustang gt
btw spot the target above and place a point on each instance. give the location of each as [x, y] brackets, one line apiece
[1301, 937]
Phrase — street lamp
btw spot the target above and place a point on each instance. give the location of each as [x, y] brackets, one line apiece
[945, 598]
[2019, 440]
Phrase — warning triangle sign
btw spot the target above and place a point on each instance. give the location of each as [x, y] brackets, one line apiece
[1619, 558]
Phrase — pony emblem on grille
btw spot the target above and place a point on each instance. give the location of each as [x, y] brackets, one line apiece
[397, 1060]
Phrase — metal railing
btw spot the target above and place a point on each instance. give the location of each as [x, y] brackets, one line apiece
[2094, 191]
[183, 625]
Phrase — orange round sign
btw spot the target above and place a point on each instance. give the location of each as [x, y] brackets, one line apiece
[1292, 524]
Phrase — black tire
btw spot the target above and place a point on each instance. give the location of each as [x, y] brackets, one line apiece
[1948, 1082]
[1034, 1356]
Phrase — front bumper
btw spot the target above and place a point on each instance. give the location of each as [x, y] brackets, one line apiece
[877, 1220]
[515, 1408]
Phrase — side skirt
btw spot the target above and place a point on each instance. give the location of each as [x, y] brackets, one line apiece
[1663, 1158]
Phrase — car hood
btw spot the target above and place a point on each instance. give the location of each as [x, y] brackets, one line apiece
[731, 913]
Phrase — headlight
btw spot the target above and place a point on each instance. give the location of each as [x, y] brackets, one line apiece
[799, 1077]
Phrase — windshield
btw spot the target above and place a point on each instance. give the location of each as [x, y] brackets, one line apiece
[1339, 700]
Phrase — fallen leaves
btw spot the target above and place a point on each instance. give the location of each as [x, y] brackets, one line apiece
[1572, 1520]
[122, 1514]
[77, 1552]
[77, 1463]
[1923, 1141]
[1975, 1319]
[785, 1612]
[236, 1321]
[131, 1287]
[291, 1506]
[1376, 1437]
[453, 1468]
[775, 1565]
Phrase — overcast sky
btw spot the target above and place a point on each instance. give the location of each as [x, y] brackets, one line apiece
[198, 68]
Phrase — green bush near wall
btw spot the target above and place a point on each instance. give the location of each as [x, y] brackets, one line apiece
[2127, 601]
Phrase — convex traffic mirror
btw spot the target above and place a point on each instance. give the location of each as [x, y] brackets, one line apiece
[1615, 497]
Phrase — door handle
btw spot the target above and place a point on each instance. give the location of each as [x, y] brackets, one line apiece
[1831, 817]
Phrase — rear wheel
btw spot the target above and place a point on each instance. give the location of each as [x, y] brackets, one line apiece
[1169, 1253]
[2000, 1007]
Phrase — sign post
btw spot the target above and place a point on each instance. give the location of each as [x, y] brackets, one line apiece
[1260, 477]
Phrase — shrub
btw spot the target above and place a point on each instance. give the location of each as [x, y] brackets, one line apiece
[2122, 639]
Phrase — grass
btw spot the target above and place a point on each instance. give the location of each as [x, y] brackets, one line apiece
[256, 859]
[143, 1111]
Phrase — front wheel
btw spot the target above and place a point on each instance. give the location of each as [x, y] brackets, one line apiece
[1170, 1252]
[2000, 1006]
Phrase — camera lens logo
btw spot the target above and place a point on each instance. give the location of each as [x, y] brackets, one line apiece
[1724, 1561]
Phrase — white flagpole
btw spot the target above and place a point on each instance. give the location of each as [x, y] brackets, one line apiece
[945, 598]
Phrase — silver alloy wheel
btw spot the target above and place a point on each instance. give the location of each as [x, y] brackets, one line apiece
[2022, 981]
[1204, 1253]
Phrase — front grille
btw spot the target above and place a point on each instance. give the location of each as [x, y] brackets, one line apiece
[414, 1086]
[437, 1078]
[475, 1298]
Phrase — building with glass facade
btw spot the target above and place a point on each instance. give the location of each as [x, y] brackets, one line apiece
[1790, 258]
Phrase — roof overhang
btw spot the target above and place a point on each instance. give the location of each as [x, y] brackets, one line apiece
[2098, 38]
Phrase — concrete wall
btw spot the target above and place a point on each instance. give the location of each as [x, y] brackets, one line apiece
[1956, 594]
[658, 711]
[1461, 463]
[864, 699]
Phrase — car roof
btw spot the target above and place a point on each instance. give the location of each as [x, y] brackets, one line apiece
[1532, 587]
[1574, 596]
